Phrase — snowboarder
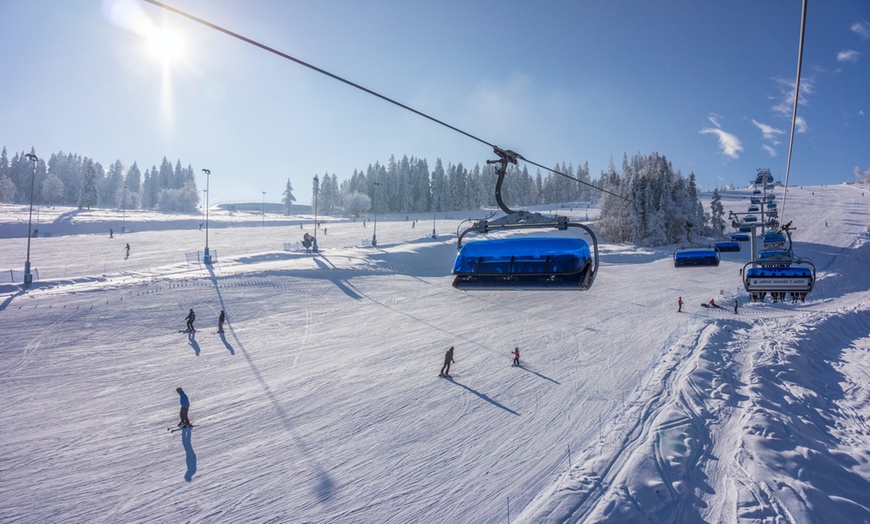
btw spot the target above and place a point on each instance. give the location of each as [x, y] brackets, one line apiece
[190, 318]
[128, 250]
[516, 354]
[448, 358]
[185, 406]
[221, 321]
[711, 303]
[735, 306]
[679, 304]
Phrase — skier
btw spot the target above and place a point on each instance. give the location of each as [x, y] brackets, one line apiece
[190, 318]
[448, 358]
[679, 304]
[128, 250]
[111, 233]
[221, 321]
[735, 306]
[185, 406]
[516, 353]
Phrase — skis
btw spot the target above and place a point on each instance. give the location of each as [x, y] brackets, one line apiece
[173, 429]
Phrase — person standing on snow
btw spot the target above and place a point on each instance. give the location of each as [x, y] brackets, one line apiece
[679, 304]
[448, 358]
[185, 406]
[735, 306]
[221, 321]
[128, 250]
[516, 353]
[190, 318]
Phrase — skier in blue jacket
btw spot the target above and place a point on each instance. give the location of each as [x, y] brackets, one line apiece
[185, 406]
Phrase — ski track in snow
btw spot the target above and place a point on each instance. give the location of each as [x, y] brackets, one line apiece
[321, 402]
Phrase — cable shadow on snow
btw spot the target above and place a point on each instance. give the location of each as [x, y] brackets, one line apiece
[483, 396]
[324, 487]
[226, 343]
[190, 456]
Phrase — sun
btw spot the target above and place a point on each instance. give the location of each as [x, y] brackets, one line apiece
[165, 45]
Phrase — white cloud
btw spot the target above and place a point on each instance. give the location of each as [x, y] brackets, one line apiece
[770, 150]
[850, 55]
[769, 133]
[862, 29]
[786, 100]
[729, 144]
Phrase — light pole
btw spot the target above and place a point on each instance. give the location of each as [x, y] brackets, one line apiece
[316, 190]
[206, 257]
[434, 236]
[264, 209]
[28, 278]
[375, 231]
[203, 207]
[124, 208]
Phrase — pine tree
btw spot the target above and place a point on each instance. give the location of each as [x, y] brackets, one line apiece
[88, 197]
[288, 198]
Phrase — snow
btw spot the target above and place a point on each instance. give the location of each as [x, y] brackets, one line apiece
[322, 403]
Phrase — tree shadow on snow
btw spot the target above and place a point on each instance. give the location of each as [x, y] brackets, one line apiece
[483, 396]
[190, 456]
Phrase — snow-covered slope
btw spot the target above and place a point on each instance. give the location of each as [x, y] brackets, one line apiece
[321, 403]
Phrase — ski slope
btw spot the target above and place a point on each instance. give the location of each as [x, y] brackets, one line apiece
[321, 403]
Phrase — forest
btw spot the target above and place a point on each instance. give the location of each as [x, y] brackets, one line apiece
[647, 202]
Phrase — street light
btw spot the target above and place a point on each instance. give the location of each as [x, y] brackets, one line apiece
[316, 190]
[434, 236]
[375, 231]
[124, 207]
[28, 278]
[206, 257]
[264, 209]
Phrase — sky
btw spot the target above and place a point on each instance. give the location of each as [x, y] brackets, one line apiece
[708, 84]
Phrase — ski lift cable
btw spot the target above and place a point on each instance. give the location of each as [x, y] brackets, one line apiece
[797, 90]
[364, 89]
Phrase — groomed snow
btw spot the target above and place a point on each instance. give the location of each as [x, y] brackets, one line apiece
[322, 402]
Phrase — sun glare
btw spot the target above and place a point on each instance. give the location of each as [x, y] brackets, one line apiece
[165, 45]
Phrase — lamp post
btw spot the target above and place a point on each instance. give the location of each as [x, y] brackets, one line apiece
[206, 257]
[316, 190]
[28, 278]
[375, 231]
[264, 209]
[203, 206]
[124, 208]
[434, 236]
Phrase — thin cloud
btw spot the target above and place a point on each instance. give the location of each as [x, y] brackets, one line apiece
[768, 132]
[785, 105]
[729, 144]
[770, 136]
[862, 29]
[850, 55]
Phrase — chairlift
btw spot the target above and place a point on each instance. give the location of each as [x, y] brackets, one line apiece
[695, 255]
[554, 263]
[779, 272]
[726, 246]
[740, 237]
[773, 239]
[754, 209]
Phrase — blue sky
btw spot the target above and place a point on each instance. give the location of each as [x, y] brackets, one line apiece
[708, 84]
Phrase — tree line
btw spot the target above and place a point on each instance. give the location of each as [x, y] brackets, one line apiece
[68, 179]
[646, 203]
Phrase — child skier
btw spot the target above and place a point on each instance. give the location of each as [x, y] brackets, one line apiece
[516, 354]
